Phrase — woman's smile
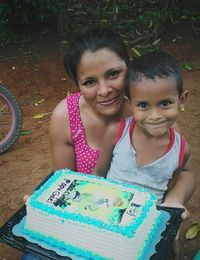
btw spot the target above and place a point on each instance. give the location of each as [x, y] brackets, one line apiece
[109, 101]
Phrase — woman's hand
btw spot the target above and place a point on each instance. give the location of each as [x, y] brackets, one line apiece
[26, 197]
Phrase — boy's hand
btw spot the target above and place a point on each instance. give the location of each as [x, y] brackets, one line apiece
[185, 215]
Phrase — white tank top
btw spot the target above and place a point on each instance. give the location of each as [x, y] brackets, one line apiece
[154, 176]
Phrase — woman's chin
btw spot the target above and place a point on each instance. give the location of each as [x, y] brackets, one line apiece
[111, 110]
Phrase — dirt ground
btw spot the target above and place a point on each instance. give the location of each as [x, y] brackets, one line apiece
[34, 72]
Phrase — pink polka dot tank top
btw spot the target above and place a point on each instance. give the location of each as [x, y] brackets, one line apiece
[86, 157]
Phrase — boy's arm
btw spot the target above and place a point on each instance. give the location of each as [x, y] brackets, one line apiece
[103, 163]
[183, 186]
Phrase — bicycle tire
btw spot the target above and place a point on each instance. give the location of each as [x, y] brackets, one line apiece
[17, 120]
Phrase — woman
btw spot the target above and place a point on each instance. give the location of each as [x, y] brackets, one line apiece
[97, 64]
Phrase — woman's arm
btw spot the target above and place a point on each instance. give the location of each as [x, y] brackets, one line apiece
[62, 149]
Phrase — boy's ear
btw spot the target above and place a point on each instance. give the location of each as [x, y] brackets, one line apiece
[182, 100]
[183, 97]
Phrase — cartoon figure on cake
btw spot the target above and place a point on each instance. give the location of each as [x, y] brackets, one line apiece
[88, 201]
[65, 199]
[108, 207]
[102, 203]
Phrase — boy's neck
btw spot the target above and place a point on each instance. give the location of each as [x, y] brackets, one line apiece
[141, 133]
[149, 148]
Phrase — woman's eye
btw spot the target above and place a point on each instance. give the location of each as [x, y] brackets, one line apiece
[113, 74]
[89, 83]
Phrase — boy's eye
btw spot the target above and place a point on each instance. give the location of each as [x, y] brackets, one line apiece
[165, 103]
[143, 105]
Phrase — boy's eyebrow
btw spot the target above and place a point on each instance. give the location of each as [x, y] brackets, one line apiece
[141, 101]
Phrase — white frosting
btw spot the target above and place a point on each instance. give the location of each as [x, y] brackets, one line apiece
[104, 243]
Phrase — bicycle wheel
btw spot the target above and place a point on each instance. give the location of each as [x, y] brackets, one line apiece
[10, 119]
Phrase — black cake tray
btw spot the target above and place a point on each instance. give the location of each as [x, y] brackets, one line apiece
[163, 248]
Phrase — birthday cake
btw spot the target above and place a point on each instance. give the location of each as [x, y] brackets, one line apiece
[93, 217]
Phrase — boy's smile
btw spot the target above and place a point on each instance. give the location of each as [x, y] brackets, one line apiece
[155, 104]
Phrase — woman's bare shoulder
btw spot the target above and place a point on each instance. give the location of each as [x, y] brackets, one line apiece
[59, 123]
[61, 144]
[60, 110]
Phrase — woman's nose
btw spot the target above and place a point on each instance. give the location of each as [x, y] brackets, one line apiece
[103, 88]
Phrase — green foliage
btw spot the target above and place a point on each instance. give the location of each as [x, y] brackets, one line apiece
[139, 22]
[31, 12]
[4, 28]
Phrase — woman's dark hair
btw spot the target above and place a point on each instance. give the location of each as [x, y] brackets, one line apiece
[93, 40]
[151, 65]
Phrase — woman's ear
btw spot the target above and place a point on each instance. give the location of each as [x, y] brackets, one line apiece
[182, 100]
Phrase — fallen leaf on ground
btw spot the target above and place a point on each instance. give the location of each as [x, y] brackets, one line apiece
[40, 101]
[26, 132]
[41, 115]
[193, 231]
[187, 67]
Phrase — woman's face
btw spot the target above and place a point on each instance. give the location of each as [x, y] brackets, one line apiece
[101, 78]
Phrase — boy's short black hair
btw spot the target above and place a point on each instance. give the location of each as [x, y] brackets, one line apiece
[155, 64]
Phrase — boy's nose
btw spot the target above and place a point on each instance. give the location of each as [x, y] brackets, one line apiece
[155, 114]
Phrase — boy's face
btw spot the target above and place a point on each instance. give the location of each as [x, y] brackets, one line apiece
[155, 104]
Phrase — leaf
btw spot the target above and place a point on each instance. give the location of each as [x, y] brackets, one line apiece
[193, 231]
[139, 33]
[156, 41]
[150, 24]
[187, 67]
[136, 52]
[26, 132]
[40, 101]
[64, 42]
[38, 116]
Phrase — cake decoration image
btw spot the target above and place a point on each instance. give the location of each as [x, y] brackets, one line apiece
[83, 197]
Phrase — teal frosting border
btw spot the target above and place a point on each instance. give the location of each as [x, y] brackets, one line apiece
[154, 236]
[127, 231]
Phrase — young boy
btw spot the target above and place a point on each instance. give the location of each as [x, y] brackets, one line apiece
[147, 150]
